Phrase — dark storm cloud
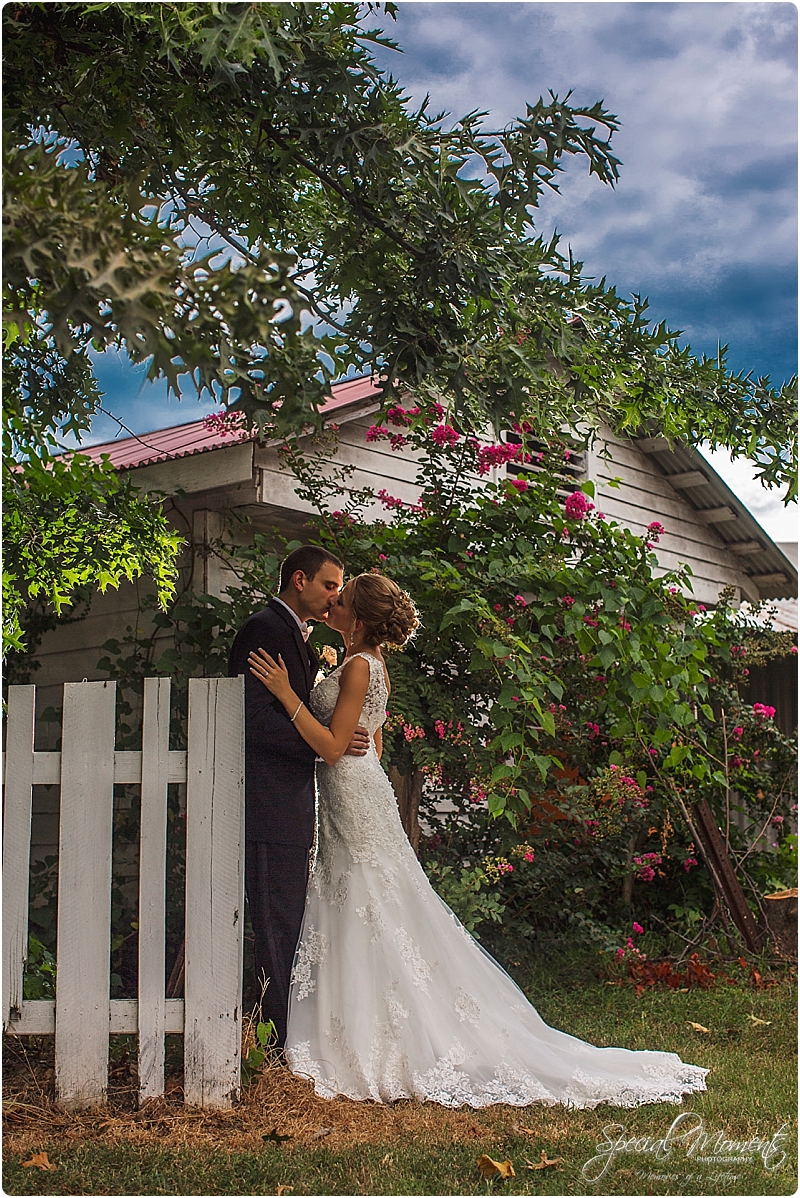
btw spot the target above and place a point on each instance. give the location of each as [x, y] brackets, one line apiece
[703, 218]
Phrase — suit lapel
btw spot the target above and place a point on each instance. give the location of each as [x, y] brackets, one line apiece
[302, 646]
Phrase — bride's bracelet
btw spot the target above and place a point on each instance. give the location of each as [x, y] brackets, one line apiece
[296, 714]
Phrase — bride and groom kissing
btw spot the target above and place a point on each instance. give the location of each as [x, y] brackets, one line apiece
[377, 992]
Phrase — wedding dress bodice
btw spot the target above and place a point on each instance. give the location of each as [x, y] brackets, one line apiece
[325, 694]
[392, 998]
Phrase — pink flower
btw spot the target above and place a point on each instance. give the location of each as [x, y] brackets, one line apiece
[376, 432]
[653, 752]
[528, 855]
[510, 621]
[398, 441]
[518, 599]
[498, 607]
[591, 622]
[793, 649]
[444, 434]
[777, 820]
[638, 929]
[436, 408]
[619, 954]
[389, 501]
[382, 557]
[401, 416]
[567, 600]
[763, 710]
[594, 729]
[577, 506]
[655, 530]
[519, 484]
[624, 625]
[688, 863]
[496, 455]
[738, 732]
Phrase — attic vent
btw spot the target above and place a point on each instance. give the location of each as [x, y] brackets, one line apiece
[572, 473]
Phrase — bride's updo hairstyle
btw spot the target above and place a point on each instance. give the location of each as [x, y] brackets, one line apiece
[388, 614]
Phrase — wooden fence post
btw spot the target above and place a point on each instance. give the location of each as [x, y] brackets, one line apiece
[152, 886]
[84, 894]
[17, 842]
[214, 892]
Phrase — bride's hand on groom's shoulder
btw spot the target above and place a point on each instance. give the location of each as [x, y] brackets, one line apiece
[273, 674]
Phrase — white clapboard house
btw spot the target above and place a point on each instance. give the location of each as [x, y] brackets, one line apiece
[228, 486]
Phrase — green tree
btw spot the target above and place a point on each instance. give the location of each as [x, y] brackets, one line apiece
[234, 193]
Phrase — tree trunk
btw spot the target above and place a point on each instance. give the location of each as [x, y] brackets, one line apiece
[408, 792]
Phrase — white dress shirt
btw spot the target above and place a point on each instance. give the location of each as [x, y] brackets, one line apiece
[305, 629]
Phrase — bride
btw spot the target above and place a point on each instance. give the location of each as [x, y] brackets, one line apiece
[391, 997]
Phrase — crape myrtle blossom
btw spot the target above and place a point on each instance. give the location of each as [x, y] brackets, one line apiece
[577, 506]
[444, 434]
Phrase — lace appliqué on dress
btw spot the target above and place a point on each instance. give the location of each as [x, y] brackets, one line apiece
[421, 971]
[312, 950]
[466, 1007]
[372, 915]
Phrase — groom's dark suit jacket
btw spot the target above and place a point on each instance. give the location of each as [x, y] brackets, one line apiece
[279, 765]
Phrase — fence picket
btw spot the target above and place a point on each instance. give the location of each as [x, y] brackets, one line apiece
[214, 892]
[84, 893]
[152, 886]
[17, 842]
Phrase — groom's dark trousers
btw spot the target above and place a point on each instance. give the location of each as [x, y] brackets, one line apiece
[279, 803]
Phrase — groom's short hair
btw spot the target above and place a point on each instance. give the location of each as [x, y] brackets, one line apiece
[309, 559]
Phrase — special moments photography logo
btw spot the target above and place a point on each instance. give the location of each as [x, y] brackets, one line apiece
[686, 1142]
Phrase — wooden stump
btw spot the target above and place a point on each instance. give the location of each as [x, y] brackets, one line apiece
[781, 910]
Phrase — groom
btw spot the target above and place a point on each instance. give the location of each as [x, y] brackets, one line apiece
[279, 768]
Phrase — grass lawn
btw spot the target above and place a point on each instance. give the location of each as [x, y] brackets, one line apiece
[342, 1147]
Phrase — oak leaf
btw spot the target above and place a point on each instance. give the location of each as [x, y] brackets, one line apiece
[490, 1168]
[698, 1027]
[39, 1160]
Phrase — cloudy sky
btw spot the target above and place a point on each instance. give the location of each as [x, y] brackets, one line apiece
[703, 219]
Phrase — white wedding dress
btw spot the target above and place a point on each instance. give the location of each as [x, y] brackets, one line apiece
[392, 998]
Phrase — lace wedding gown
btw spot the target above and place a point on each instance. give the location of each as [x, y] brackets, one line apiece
[392, 998]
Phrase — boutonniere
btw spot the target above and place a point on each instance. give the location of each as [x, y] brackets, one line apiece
[329, 659]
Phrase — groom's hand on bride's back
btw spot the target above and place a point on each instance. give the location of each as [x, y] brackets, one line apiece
[359, 743]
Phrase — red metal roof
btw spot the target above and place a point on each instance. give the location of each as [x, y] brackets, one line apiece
[182, 440]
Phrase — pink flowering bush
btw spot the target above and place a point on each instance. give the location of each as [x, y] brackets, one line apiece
[559, 694]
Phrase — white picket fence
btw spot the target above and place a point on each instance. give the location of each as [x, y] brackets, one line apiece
[83, 1014]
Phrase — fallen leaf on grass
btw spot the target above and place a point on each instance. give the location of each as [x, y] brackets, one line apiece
[320, 1133]
[544, 1162]
[273, 1137]
[490, 1168]
[698, 1027]
[756, 1022]
[519, 1130]
[283, 1190]
[38, 1161]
